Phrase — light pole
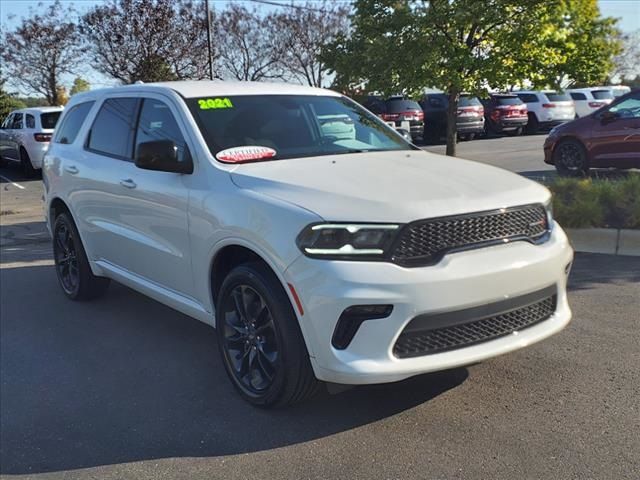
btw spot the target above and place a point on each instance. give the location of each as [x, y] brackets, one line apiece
[206, 6]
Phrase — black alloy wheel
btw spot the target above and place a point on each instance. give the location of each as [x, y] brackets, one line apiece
[66, 259]
[72, 266]
[250, 340]
[259, 338]
[570, 158]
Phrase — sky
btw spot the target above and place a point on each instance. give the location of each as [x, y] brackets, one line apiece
[627, 11]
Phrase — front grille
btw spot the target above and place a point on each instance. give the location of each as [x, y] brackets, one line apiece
[426, 241]
[418, 340]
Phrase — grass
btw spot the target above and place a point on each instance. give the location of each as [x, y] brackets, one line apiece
[583, 203]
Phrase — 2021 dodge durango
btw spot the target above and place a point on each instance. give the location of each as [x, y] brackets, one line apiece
[320, 244]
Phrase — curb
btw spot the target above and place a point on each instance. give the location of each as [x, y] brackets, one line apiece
[611, 241]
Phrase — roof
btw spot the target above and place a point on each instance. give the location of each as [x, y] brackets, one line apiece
[216, 88]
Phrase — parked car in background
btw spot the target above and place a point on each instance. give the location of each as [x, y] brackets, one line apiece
[317, 256]
[547, 108]
[505, 113]
[588, 100]
[25, 136]
[399, 112]
[619, 90]
[609, 137]
[469, 119]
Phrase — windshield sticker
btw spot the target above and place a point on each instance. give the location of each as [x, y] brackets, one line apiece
[213, 103]
[245, 154]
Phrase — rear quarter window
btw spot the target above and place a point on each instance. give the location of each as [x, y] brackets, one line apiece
[528, 97]
[467, 101]
[49, 119]
[578, 96]
[72, 122]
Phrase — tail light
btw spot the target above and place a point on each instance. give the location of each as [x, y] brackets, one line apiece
[549, 105]
[596, 104]
[42, 137]
[390, 117]
[495, 114]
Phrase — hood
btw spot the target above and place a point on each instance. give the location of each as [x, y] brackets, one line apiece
[398, 186]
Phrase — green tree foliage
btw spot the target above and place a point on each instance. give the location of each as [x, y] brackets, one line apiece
[79, 85]
[403, 46]
[8, 102]
[42, 48]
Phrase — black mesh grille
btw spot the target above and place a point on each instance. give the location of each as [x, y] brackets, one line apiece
[426, 241]
[426, 342]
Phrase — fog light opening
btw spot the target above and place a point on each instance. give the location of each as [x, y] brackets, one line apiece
[351, 319]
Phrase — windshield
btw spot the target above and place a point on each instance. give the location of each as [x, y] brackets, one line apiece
[467, 101]
[558, 97]
[49, 119]
[292, 125]
[508, 100]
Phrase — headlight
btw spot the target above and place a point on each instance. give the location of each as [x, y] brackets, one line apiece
[549, 208]
[347, 240]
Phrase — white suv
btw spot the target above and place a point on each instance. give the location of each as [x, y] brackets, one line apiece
[588, 100]
[343, 255]
[546, 109]
[25, 136]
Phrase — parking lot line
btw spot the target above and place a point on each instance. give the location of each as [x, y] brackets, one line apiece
[13, 183]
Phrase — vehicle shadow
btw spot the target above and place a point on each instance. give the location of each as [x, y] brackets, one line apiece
[124, 378]
[592, 269]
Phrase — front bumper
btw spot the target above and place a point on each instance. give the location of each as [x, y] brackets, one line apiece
[36, 153]
[461, 280]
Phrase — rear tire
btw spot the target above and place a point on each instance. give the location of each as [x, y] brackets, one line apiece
[260, 341]
[532, 124]
[570, 158]
[25, 163]
[72, 266]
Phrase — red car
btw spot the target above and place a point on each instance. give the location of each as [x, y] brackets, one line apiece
[609, 137]
[505, 113]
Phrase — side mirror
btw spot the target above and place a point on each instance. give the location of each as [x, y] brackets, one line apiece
[608, 116]
[162, 156]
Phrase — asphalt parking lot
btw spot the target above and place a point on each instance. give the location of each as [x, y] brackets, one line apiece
[125, 387]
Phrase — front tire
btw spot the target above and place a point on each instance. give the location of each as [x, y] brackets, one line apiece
[72, 266]
[570, 158]
[260, 341]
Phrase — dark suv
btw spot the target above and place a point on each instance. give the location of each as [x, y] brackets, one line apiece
[469, 119]
[505, 113]
[398, 112]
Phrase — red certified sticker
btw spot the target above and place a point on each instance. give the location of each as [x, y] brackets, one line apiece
[245, 154]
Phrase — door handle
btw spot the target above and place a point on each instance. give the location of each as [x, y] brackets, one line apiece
[72, 169]
[128, 183]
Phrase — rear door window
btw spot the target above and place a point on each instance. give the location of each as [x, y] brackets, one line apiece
[578, 96]
[113, 129]
[158, 123]
[602, 94]
[49, 119]
[68, 131]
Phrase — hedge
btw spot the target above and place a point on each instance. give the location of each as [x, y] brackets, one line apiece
[583, 203]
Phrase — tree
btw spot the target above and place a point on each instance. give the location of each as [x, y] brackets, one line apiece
[148, 40]
[63, 98]
[578, 45]
[248, 45]
[42, 48]
[79, 85]
[403, 46]
[304, 30]
[627, 62]
[8, 102]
